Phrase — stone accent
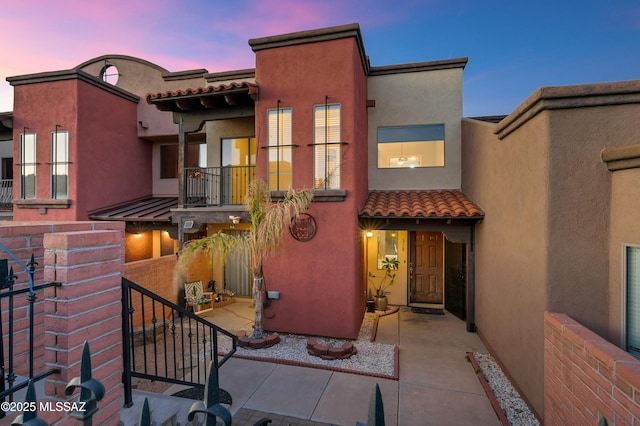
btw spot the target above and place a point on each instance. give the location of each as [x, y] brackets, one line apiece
[245, 342]
[347, 350]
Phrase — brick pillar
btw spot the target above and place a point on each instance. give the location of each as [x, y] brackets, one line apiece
[89, 265]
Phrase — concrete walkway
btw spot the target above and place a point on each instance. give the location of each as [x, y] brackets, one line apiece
[436, 386]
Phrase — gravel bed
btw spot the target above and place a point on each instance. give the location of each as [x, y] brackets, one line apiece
[514, 407]
[372, 358]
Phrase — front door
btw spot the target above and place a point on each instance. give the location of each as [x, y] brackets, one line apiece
[426, 273]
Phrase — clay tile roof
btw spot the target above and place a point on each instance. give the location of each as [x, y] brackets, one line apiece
[420, 204]
[231, 94]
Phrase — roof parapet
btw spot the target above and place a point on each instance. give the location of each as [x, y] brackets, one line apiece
[565, 97]
[314, 36]
[73, 74]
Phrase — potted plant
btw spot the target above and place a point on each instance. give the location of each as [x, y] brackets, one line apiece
[389, 264]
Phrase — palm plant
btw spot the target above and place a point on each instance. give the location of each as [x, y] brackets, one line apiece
[269, 222]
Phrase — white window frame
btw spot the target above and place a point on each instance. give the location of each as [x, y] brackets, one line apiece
[279, 147]
[59, 162]
[625, 293]
[28, 165]
[327, 137]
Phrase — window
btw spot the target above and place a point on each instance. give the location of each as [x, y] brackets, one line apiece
[411, 146]
[238, 168]
[196, 157]
[59, 165]
[7, 168]
[632, 305]
[279, 144]
[28, 165]
[387, 246]
[326, 142]
[109, 74]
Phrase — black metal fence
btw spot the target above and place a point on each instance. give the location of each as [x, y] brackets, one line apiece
[11, 381]
[164, 342]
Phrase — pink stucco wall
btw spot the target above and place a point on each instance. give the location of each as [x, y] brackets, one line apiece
[109, 163]
[324, 293]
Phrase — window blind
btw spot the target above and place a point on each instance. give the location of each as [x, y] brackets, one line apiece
[279, 143]
[326, 147]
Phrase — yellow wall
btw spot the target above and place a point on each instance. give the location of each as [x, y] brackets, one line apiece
[398, 291]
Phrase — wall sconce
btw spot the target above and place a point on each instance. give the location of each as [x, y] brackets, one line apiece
[369, 234]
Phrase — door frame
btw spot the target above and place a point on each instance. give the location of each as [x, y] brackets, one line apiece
[410, 275]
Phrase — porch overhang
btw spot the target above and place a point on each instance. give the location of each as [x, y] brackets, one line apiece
[145, 214]
[195, 106]
[420, 204]
[150, 209]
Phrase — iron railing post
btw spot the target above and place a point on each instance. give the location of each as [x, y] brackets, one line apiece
[31, 298]
[126, 347]
[91, 390]
[11, 377]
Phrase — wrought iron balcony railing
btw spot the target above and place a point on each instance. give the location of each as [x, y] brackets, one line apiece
[217, 186]
[6, 194]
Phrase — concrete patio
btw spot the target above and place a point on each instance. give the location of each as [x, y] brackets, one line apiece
[436, 386]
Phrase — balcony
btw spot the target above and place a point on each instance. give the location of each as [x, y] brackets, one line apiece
[6, 194]
[217, 186]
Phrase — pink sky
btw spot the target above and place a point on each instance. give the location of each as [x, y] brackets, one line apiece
[513, 47]
[39, 36]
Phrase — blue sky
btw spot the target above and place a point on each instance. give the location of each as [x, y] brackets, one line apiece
[514, 47]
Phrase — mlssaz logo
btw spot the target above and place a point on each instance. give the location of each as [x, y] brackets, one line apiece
[62, 406]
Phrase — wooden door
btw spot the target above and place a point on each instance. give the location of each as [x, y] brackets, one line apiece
[427, 268]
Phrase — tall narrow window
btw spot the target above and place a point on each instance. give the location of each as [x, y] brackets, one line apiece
[279, 144]
[59, 165]
[27, 165]
[632, 280]
[238, 168]
[326, 154]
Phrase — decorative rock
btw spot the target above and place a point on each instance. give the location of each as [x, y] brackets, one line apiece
[336, 352]
[272, 339]
[330, 352]
[258, 343]
[249, 343]
[311, 343]
[320, 349]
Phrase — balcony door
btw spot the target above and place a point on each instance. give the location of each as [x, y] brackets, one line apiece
[238, 168]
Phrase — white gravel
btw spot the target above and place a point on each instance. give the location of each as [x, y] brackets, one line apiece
[372, 357]
[514, 407]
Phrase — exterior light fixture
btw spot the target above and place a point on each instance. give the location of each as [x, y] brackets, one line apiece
[369, 234]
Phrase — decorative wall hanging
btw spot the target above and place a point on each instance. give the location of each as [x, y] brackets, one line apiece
[304, 228]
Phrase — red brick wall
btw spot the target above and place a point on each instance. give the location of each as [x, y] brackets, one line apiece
[86, 258]
[586, 377]
[155, 275]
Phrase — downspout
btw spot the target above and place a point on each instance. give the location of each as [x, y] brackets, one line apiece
[471, 280]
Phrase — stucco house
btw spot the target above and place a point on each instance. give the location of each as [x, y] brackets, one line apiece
[380, 147]
[496, 220]
[554, 178]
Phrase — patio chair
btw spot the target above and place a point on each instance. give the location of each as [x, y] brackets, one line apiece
[194, 296]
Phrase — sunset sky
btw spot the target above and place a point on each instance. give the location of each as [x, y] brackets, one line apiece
[514, 47]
